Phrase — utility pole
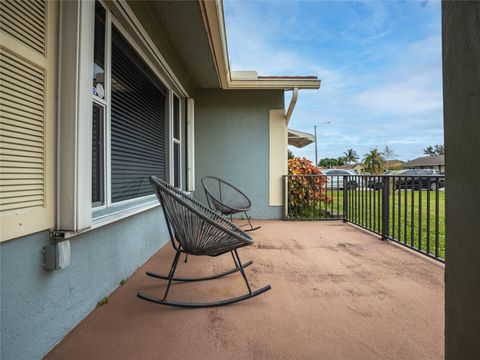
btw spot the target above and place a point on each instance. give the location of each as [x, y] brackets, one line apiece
[316, 144]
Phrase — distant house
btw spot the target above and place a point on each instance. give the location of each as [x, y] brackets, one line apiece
[435, 162]
[358, 168]
[394, 164]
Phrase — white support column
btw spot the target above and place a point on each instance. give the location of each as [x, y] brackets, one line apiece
[191, 144]
[76, 37]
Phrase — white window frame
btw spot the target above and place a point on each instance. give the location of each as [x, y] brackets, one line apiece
[103, 104]
[173, 140]
[190, 144]
[77, 213]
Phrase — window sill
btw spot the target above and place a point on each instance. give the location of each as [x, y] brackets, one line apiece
[120, 214]
[113, 216]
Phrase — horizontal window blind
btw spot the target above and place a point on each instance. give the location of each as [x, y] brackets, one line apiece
[138, 123]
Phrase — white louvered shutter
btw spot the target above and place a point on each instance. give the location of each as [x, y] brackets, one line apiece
[27, 102]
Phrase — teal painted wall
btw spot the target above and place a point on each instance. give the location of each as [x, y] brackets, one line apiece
[38, 307]
[232, 142]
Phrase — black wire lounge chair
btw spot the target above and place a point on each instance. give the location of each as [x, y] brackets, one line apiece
[197, 230]
[226, 198]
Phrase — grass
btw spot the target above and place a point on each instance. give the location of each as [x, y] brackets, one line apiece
[365, 209]
[104, 301]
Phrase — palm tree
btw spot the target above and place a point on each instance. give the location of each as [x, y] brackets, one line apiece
[350, 156]
[374, 161]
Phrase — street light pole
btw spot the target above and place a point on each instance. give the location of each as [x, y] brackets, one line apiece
[316, 144]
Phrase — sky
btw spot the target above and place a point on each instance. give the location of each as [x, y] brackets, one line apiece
[379, 63]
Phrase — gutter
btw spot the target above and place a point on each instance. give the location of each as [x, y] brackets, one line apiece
[293, 102]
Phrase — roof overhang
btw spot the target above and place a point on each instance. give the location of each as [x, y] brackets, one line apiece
[300, 139]
[212, 11]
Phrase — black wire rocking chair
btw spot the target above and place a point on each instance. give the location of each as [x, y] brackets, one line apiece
[197, 230]
[226, 198]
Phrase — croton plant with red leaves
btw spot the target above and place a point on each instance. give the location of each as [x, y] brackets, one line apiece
[305, 192]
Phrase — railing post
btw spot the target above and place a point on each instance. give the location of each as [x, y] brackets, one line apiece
[385, 206]
[345, 198]
[284, 197]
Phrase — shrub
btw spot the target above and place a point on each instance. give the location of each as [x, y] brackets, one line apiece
[305, 193]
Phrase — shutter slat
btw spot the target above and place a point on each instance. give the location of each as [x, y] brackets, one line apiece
[12, 195]
[12, 183]
[20, 167]
[26, 203]
[22, 188]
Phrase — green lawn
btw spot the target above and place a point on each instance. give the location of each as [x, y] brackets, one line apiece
[365, 209]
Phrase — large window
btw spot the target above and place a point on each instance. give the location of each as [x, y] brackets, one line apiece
[132, 137]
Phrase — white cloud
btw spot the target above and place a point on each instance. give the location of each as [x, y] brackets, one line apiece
[375, 92]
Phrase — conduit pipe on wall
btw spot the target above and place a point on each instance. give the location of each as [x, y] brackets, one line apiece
[293, 101]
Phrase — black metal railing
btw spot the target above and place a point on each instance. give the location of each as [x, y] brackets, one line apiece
[409, 210]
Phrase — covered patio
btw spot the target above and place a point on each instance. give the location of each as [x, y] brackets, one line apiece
[337, 293]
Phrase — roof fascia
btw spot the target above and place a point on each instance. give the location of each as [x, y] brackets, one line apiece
[212, 11]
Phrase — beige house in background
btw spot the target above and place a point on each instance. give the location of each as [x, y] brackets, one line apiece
[435, 162]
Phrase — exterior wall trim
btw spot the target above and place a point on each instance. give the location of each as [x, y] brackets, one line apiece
[277, 160]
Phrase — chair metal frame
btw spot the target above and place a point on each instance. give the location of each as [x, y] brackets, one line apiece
[215, 236]
[226, 209]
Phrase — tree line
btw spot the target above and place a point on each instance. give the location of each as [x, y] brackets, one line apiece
[375, 161]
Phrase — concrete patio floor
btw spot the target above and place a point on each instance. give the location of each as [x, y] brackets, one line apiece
[338, 292]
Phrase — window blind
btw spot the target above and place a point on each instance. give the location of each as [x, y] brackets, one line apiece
[138, 123]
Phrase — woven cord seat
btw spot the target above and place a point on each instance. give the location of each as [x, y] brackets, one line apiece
[197, 230]
[226, 198]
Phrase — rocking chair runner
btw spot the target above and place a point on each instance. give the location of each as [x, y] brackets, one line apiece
[226, 198]
[196, 230]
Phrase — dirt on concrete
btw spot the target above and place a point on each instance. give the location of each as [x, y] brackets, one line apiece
[337, 293]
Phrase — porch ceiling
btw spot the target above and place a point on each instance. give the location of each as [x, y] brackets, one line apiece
[337, 293]
[183, 24]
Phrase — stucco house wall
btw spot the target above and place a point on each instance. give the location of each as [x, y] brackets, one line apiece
[38, 307]
[232, 142]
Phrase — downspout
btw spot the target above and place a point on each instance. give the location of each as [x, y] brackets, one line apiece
[293, 101]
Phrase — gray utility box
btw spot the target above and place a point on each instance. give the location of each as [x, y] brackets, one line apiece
[56, 256]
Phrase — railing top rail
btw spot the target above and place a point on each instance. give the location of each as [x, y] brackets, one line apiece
[365, 175]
